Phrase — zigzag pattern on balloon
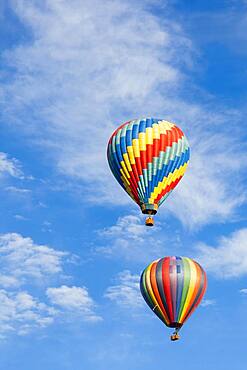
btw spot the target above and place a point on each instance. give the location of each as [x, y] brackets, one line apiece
[173, 287]
[148, 157]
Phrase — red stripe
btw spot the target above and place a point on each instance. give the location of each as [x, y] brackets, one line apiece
[134, 169]
[143, 159]
[135, 193]
[135, 172]
[156, 147]
[167, 286]
[180, 132]
[155, 288]
[169, 137]
[173, 281]
[163, 142]
[175, 134]
[149, 153]
[138, 165]
[167, 189]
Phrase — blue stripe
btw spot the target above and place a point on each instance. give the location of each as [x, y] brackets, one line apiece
[119, 153]
[135, 131]
[129, 138]
[115, 166]
[142, 126]
[123, 145]
[149, 122]
[166, 170]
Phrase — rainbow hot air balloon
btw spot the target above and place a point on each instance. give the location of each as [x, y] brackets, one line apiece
[148, 157]
[173, 287]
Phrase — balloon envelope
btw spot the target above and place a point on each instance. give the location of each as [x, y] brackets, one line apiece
[148, 157]
[173, 287]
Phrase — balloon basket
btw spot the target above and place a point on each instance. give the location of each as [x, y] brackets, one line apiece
[149, 221]
[174, 337]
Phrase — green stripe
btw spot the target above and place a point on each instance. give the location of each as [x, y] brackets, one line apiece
[118, 137]
[145, 288]
[130, 125]
[161, 159]
[164, 198]
[155, 165]
[150, 171]
[167, 155]
[187, 277]
[173, 151]
[145, 176]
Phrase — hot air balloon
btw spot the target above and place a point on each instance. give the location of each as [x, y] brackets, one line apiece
[173, 287]
[148, 157]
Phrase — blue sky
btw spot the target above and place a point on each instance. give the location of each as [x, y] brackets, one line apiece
[72, 244]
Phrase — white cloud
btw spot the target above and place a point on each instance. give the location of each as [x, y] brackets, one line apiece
[8, 281]
[24, 263]
[75, 300]
[129, 225]
[97, 66]
[209, 191]
[23, 260]
[9, 166]
[126, 292]
[101, 67]
[208, 302]
[229, 258]
[20, 191]
[21, 313]
[243, 291]
[20, 217]
[132, 240]
[104, 65]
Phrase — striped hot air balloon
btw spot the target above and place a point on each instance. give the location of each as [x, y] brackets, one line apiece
[173, 287]
[148, 157]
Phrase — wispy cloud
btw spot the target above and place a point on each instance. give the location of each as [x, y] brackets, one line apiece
[20, 218]
[208, 302]
[75, 300]
[10, 166]
[211, 189]
[229, 258]
[126, 291]
[19, 191]
[91, 72]
[132, 240]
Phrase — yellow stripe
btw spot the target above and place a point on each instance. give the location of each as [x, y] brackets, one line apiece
[127, 187]
[142, 140]
[136, 148]
[174, 175]
[156, 131]
[165, 126]
[127, 162]
[149, 135]
[131, 154]
[191, 287]
[124, 177]
[167, 181]
[124, 170]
